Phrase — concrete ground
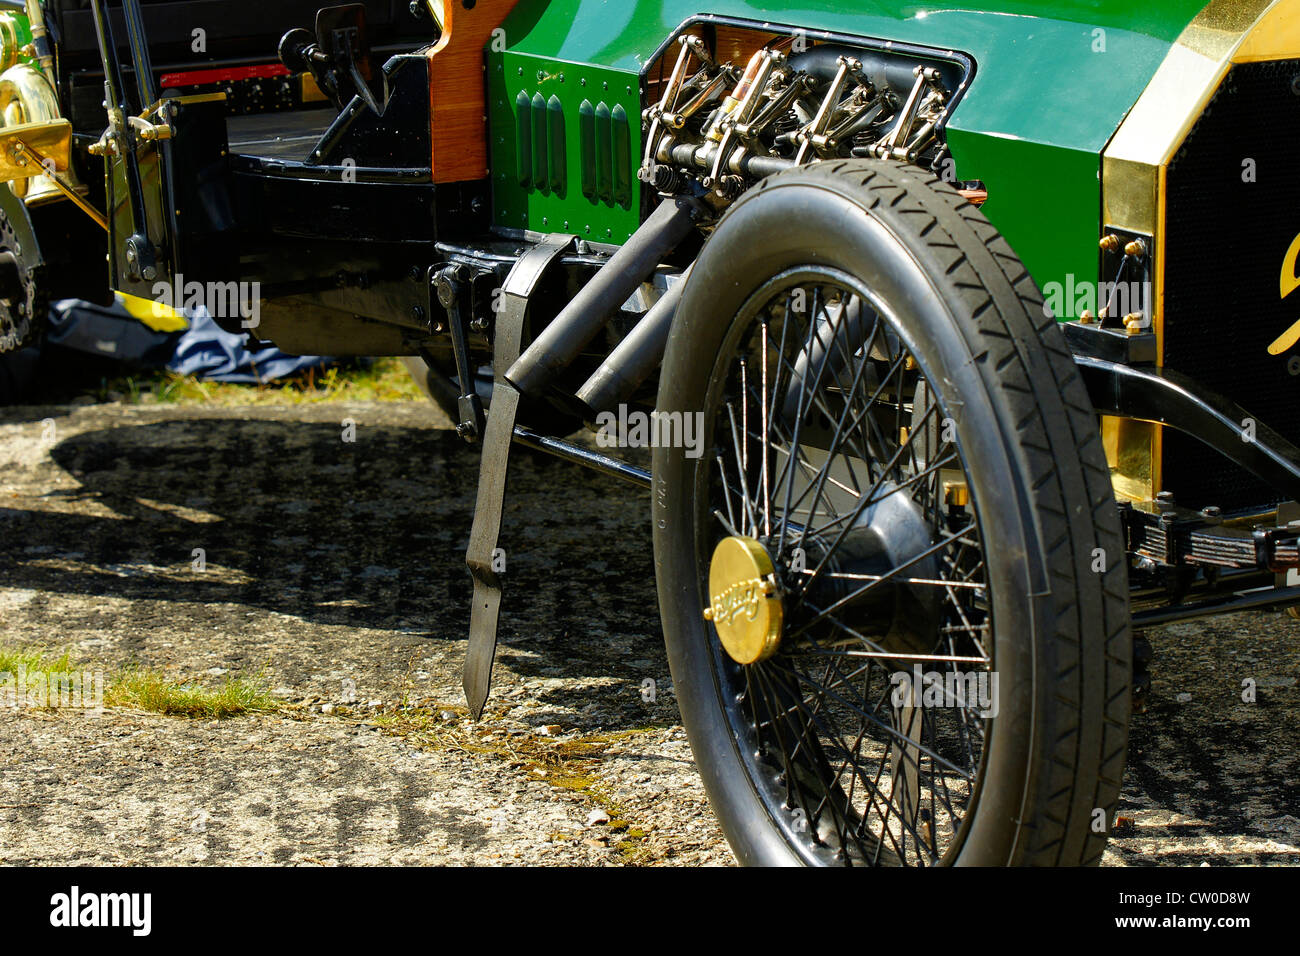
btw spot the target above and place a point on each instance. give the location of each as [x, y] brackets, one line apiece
[336, 569]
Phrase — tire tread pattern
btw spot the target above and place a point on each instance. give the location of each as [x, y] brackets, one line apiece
[1020, 346]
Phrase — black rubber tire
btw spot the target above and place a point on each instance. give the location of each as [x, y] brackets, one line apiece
[1029, 435]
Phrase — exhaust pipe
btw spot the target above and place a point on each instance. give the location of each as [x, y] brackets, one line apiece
[637, 356]
[564, 339]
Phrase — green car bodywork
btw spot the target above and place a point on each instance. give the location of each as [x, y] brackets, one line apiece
[1052, 82]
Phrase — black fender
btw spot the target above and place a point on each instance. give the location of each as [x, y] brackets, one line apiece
[1166, 397]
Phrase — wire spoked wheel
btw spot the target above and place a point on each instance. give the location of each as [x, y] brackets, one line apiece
[831, 460]
[886, 639]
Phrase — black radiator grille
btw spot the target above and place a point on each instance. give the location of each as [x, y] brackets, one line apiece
[1225, 242]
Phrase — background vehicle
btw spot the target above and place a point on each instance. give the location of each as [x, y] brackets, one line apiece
[203, 47]
[931, 282]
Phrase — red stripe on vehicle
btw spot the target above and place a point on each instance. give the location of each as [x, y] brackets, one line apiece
[227, 75]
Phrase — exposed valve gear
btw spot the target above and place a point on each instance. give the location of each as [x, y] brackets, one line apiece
[719, 129]
[664, 178]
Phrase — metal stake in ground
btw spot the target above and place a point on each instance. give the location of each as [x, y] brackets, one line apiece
[493, 468]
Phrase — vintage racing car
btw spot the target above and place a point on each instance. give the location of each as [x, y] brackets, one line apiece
[948, 323]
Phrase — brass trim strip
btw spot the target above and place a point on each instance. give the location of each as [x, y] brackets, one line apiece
[1275, 36]
[1175, 98]
[1135, 162]
[189, 100]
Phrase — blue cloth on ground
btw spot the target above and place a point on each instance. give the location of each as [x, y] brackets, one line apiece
[204, 350]
[210, 352]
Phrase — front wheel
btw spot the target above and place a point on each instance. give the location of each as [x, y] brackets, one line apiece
[893, 584]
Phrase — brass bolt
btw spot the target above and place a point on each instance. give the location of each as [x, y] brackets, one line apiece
[1110, 243]
[1134, 323]
[708, 614]
[1087, 318]
[1137, 249]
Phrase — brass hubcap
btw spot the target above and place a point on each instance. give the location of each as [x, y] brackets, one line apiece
[744, 600]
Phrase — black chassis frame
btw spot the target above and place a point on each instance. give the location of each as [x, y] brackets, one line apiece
[349, 255]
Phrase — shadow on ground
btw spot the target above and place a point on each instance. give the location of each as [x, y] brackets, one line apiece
[329, 562]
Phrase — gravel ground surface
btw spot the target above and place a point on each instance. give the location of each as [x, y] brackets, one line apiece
[336, 569]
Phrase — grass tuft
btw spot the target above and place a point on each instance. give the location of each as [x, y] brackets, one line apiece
[32, 659]
[149, 690]
[152, 691]
[383, 380]
[366, 380]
